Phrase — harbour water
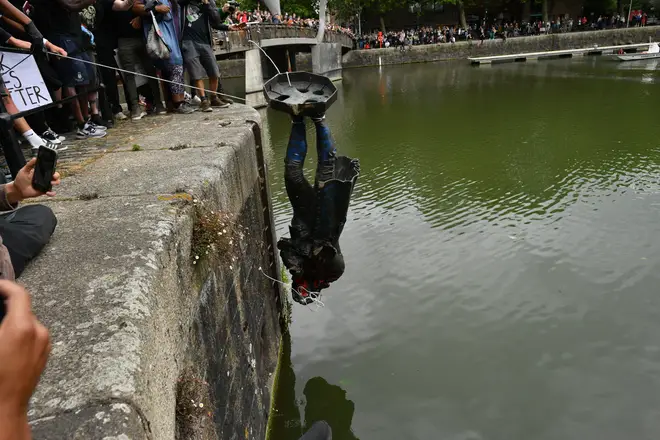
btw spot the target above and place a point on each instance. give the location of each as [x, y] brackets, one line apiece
[502, 252]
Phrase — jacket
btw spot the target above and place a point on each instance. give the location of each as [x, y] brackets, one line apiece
[211, 15]
[6, 268]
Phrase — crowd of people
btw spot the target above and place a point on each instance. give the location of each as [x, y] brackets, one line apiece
[71, 39]
[500, 29]
[265, 17]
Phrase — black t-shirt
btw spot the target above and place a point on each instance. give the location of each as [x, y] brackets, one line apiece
[197, 26]
[122, 25]
[105, 33]
[53, 19]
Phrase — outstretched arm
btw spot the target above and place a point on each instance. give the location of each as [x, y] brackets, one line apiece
[12, 12]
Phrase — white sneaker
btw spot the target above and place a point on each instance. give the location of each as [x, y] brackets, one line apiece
[90, 131]
[52, 146]
[89, 124]
[120, 116]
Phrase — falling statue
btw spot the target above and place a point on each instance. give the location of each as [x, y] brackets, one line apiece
[312, 254]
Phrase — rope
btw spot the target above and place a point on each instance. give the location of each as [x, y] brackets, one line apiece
[314, 296]
[145, 76]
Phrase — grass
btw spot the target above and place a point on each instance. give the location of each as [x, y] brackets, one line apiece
[136, 147]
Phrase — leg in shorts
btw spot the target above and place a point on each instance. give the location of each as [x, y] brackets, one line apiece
[73, 72]
[199, 60]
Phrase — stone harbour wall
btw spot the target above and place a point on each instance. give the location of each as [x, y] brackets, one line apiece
[163, 323]
[463, 50]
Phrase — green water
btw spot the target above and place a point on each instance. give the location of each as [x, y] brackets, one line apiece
[503, 257]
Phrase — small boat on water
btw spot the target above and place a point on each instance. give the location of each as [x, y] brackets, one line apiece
[653, 52]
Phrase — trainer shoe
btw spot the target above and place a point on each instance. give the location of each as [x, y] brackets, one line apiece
[185, 109]
[217, 101]
[120, 116]
[138, 113]
[52, 137]
[205, 106]
[98, 123]
[160, 109]
[89, 131]
[52, 146]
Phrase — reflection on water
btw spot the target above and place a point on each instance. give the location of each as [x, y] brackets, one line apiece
[502, 253]
[322, 402]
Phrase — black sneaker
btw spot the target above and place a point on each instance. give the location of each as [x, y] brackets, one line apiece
[52, 137]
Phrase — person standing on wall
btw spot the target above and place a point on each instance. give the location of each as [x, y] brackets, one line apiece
[198, 18]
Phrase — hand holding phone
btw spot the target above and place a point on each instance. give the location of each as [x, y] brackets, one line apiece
[44, 170]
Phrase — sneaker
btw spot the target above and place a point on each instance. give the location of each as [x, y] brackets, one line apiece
[217, 101]
[205, 106]
[138, 113]
[90, 131]
[185, 109]
[98, 123]
[52, 146]
[160, 109]
[196, 101]
[52, 137]
[223, 97]
[120, 116]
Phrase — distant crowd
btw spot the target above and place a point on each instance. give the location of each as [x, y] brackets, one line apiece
[265, 17]
[501, 29]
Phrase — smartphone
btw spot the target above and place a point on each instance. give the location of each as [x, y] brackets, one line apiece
[44, 169]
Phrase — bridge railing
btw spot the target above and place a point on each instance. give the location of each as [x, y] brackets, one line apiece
[237, 41]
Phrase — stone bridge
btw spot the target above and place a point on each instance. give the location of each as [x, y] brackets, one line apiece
[281, 43]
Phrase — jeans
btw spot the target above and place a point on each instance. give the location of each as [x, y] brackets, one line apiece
[133, 52]
[25, 232]
[106, 56]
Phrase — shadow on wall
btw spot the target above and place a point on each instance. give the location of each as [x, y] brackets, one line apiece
[324, 402]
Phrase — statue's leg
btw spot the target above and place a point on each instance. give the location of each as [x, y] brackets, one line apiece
[326, 150]
[300, 192]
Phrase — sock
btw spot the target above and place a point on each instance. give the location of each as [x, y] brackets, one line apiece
[31, 137]
[203, 98]
[318, 118]
[178, 104]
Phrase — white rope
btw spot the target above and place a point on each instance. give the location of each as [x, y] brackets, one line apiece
[271, 60]
[314, 296]
[146, 76]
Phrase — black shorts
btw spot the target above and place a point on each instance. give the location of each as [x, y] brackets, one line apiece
[73, 72]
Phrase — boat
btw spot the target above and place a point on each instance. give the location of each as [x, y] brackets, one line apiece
[653, 52]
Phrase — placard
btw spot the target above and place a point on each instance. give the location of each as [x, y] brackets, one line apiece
[23, 80]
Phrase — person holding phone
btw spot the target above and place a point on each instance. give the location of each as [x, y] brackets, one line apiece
[23, 231]
[24, 350]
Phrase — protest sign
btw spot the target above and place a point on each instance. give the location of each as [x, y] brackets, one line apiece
[23, 80]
